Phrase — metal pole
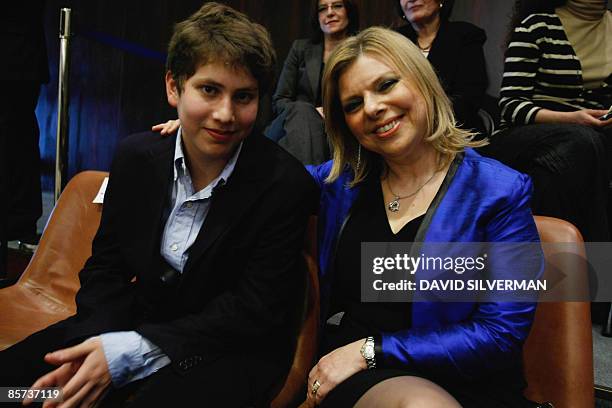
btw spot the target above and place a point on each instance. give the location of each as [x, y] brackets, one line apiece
[63, 99]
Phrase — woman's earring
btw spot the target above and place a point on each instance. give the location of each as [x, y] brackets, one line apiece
[358, 158]
[441, 4]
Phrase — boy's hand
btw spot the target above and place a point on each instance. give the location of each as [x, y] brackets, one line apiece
[83, 375]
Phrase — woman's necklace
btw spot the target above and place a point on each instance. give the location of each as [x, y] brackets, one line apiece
[394, 205]
[426, 48]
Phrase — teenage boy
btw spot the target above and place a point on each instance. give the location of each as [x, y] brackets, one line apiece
[195, 273]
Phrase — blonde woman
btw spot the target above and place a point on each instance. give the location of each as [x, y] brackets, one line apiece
[403, 172]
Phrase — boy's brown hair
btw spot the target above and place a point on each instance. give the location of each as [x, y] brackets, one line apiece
[218, 33]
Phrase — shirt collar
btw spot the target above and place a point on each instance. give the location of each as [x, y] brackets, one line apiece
[179, 157]
[179, 163]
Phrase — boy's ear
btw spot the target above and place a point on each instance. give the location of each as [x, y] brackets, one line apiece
[172, 91]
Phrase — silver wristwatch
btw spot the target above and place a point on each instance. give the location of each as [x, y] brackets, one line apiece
[368, 353]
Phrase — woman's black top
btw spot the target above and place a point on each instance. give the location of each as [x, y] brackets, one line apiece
[367, 223]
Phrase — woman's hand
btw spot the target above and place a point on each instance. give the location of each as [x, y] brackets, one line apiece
[167, 128]
[586, 117]
[332, 369]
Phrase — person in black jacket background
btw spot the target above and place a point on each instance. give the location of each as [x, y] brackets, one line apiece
[455, 49]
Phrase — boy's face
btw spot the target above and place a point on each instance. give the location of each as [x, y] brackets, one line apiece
[217, 108]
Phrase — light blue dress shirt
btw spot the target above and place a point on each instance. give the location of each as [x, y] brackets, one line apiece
[130, 356]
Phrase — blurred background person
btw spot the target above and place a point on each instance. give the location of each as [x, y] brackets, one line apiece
[455, 49]
[298, 124]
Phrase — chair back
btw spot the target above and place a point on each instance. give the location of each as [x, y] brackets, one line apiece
[558, 354]
[45, 292]
[66, 242]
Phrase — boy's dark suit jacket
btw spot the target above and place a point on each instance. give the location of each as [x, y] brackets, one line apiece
[243, 282]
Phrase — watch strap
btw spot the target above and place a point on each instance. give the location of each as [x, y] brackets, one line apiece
[378, 346]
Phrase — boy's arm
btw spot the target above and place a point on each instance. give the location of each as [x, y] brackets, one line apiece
[131, 357]
[107, 291]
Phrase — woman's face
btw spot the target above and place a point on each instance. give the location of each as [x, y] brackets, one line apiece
[384, 111]
[420, 11]
[333, 18]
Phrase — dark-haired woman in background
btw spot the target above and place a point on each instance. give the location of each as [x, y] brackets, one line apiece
[298, 125]
[454, 48]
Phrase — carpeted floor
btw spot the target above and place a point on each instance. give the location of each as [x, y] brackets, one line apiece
[602, 361]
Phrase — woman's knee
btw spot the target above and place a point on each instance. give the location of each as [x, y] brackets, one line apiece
[407, 392]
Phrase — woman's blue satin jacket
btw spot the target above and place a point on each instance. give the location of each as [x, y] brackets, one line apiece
[480, 200]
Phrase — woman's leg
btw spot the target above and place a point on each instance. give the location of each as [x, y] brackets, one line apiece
[407, 392]
[305, 136]
[568, 166]
[300, 130]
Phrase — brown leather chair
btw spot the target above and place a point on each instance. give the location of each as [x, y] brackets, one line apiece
[46, 290]
[558, 354]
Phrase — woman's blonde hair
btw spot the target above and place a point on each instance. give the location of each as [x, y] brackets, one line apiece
[400, 54]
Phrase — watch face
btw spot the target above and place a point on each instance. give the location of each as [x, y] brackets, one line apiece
[369, 351]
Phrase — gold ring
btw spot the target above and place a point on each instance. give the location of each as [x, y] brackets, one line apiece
[315, 387]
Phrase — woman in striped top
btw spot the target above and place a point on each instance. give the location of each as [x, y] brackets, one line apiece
[556, 85]
[544, 81]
